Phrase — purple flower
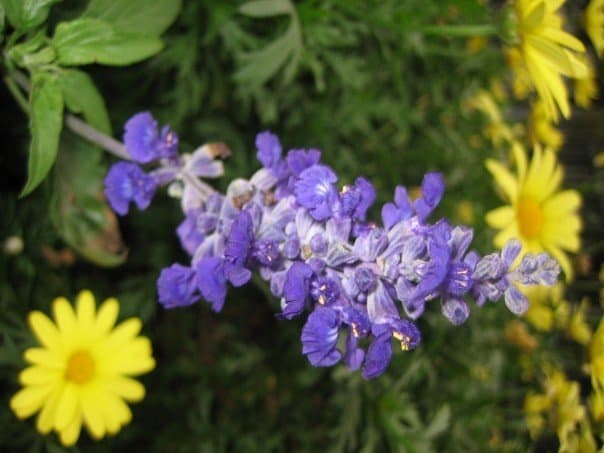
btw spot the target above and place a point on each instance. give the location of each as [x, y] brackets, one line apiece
[315, 190]
[211, 281]
[177, 287]
[296, 289]
[320, 336]
[324, 290]
[126, 182]
[188, 232]
[433, 187]
[355, 200]
[144, 142]
[269, 149]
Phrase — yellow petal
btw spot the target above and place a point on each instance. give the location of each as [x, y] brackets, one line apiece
[107, 315]
[46, 418]
[500, 217]
[520, 159]
[44, 329]
[565, 201]
[67, 408]
[129, 389]
[45, 357]
[71, 433]
[29, 400]
[85, 309]
[123, 333]
[118, 410]
[93, 413]
[36, 375]
[133, 358]
[64, 315]
[505, 235]
[504, 179]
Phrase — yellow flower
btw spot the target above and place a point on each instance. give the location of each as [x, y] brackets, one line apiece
[596, 405]
[578, 328]
[81, 372]
[545, 52]
[518, 335]
[542, 129]
[594, 24]
[497, 130]
[586, 88]
[546, 307]
[539, 215]
[599, 160]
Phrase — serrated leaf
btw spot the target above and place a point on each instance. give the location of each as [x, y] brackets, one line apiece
[82, 96]
[85, 41]
[27, 14]
[266, 8]
[78, 209]
[151, 17]
[45, 123]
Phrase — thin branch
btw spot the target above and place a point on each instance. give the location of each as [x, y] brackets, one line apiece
[106, 142]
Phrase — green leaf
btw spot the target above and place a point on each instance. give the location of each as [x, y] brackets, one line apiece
[150, 17]
[45, 123]
[266, 8]
[2, 18]
[82, 96]
[86, 41]
[27, 14]
[78, 209]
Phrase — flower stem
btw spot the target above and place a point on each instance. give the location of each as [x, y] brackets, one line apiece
[17, 94]
[459, 30]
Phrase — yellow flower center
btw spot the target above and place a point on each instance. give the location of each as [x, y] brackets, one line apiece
[530, 218]
[80, 367]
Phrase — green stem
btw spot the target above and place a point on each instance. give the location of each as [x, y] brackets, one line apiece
[17, 94]
[459, 30]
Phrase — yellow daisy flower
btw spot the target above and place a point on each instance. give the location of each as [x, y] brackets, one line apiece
[594, 24]
[81, 372]
[541, 216]
[546, 52]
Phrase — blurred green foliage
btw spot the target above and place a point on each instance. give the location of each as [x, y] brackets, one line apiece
[359, 80]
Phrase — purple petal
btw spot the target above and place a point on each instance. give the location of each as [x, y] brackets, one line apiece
[380, 305]
[378, 356]
[516, 302]
[320, 336]
[456, 311]
[296, 289]
[177, 287]
[211, 281]
[269, 149]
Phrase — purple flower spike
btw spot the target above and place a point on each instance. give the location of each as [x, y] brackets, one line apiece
[269, 149]
[211, 281]
[315, 190]
[126, 182]
[177, 287]
[319, 337]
